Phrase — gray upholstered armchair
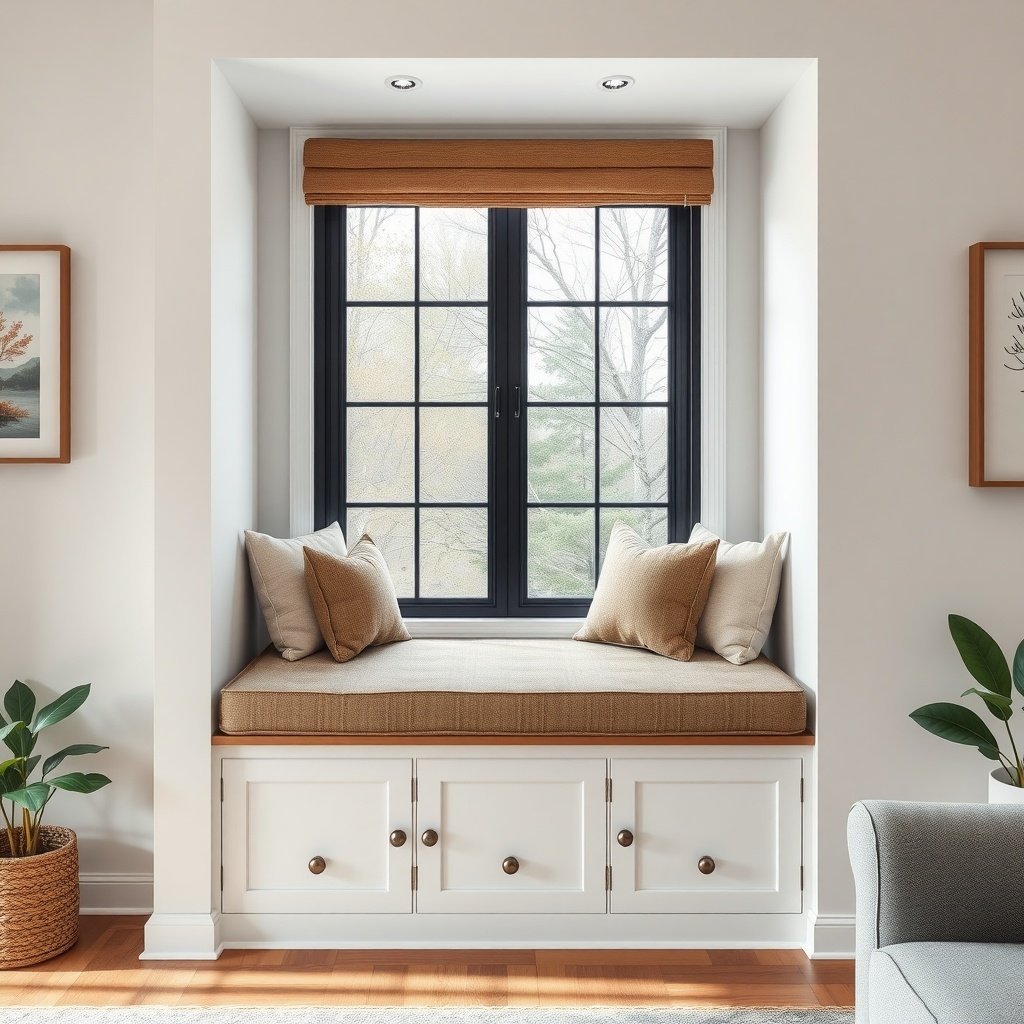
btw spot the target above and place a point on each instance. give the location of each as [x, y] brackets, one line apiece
[940, 912]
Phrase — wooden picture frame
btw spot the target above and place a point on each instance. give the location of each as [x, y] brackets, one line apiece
[35, 353]
[996, 364]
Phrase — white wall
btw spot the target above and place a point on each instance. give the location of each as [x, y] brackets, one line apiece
[233, 386]
[789, 360]
[915, 162]
[274, 165]
[76, 583]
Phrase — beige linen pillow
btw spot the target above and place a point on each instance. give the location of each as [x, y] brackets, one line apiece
[354, 599]
[741, 604]
[279, 579]
[650, 597]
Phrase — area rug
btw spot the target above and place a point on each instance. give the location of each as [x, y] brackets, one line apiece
[391, 1015]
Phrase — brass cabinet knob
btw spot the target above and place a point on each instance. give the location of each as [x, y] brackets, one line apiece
[706, 865]
[317, 865]
[510, 865]
[397, 838]
[625, 837]
[429, 838]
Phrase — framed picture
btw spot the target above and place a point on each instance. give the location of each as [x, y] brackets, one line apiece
[997, 364]
[35, 353]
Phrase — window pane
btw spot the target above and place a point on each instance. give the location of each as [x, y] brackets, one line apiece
[650, 523]
[392, 532]
[453, 454]
[453, 255]
[561, 354]
[634, 453]
[634, 254]
[381, 241]
[453, 354]
[380, 454]
[381, 354]
[560, 455]
[453, 552]
[634, 355]
[560, 254]
[560, 552]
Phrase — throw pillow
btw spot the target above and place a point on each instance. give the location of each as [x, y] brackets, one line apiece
[741, 603]
[279, 579]
[354, 599]
[650, 597]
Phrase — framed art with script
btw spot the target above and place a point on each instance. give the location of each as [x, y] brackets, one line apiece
[997, 364]
[35, 353]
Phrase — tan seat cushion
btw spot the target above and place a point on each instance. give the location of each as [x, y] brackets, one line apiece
[510, 687]
[354, 599]
[279, 579]
[741, 602]
[650, 597]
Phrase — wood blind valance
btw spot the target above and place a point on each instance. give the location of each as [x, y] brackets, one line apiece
[508, 172]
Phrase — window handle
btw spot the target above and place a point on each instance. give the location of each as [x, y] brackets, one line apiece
[518, 409]
[497, 403]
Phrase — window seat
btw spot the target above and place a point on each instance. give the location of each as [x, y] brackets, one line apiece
[510, 687]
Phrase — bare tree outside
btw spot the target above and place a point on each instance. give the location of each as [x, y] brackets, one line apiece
[598, 458]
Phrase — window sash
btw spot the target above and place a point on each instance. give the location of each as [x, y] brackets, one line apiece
[508, 309]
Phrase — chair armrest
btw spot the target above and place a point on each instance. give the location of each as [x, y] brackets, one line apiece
[935, 873]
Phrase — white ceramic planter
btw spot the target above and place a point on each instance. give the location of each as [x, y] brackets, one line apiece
[1000, 791]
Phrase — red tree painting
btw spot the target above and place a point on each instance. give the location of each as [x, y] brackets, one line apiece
[13, 343]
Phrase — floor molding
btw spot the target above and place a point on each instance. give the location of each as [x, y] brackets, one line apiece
[182, 937]
[105, 892]
[832, 937]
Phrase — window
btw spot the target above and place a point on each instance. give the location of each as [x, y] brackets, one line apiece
[496, 388]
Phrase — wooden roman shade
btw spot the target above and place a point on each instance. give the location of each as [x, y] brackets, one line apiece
[508, 172]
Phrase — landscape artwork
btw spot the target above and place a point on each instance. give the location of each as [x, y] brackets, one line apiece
[35, 353]
[19, 356]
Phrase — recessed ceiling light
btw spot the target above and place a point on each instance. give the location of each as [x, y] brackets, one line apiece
[616, 83]
[403, 83]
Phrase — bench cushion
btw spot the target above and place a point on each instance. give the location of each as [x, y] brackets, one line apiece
[494, 687]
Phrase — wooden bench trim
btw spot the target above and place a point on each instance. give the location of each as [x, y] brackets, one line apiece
[803, 739]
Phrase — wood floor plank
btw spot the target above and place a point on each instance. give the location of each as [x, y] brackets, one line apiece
[104, 969]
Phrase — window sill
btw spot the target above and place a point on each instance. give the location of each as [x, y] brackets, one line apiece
[520, 628]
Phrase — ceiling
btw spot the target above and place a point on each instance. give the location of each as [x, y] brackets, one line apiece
[478, 92]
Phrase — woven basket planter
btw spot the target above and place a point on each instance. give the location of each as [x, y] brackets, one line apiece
[38, 899]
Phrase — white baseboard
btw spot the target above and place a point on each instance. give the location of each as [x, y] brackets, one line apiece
[182, 937]
[106, 893]
[832, 937]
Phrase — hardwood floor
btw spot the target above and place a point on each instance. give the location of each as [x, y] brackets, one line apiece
[104, 969]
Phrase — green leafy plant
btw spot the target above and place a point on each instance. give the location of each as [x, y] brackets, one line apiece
[20, 730]
[987, 664]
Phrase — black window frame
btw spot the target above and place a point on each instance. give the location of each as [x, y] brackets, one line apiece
[507, 365]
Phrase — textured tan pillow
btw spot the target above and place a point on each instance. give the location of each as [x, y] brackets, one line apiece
[741, 604]
[354, 599]
[650, 597]
[279, 579]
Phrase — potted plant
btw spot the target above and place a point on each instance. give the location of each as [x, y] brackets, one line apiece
[38, 863]
[987, 664]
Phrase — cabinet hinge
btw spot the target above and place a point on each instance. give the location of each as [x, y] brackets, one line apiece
[801, 791]
[415, 791]
[608, 790]
[801, 878]
[415, 878]
[222, 791]
[608, 877]
[222, 878]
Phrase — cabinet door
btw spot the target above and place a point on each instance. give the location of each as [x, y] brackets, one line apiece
[513, 836]
[708, 836]
[279, 816]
